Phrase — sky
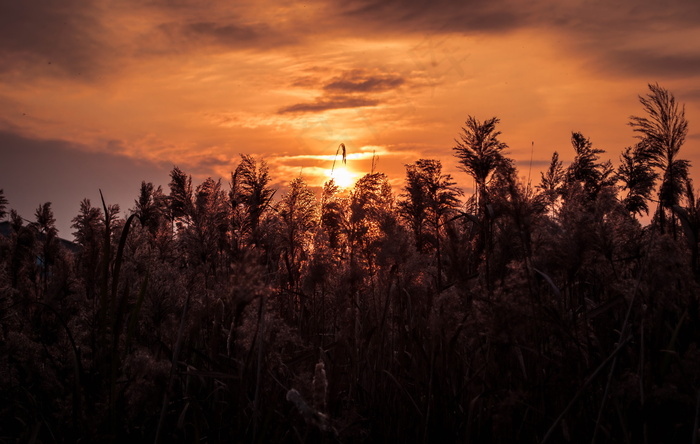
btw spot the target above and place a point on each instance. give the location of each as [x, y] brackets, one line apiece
[102, 95]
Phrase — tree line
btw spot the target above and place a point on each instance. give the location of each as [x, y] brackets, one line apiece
[221, 311]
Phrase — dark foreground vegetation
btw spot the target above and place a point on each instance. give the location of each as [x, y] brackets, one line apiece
[217, 313]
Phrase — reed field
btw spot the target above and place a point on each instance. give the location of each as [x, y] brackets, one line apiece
[560, 309]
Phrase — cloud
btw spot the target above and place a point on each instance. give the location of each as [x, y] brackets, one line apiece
[357, 81]
[691, 94]
[91, 39]
[325, 104]
[420, 16]
[57, 38]
[651, 64]
[647, 39]
[639, 38]
[226, 34]
[94, 40]
[354, 88]
[35, 171]
[501, 16]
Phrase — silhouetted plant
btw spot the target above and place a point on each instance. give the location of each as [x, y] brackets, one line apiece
[638, 178]
[662, 133]
[429, 200]
[586, 174]
[88, 234]
[180, 198]
[552, 181]
[250, 198]
[46, 226]
[3, 204]
[332, 213]
[207, 236]
[151, 207]
[480, 153]
[299, 213]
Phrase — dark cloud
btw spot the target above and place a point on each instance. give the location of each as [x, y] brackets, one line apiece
[351, 89]
[433, 16]
[305, 82]
[498, 16]
[56, 38]
[227, 34]
[78, 39]
[35, 171]
[213, 161]
[651, 65]
[326, 104]
[359, 82]
[623, 38]
[600, 31]
[688, 94]
[655, 15]
[70, 37]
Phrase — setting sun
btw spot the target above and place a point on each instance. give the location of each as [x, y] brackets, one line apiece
[343, 177]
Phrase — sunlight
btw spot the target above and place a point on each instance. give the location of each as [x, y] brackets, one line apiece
[343, 177]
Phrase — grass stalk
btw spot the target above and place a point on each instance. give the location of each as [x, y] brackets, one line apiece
[173, 368]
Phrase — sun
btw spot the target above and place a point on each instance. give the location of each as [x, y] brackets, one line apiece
[343, 177]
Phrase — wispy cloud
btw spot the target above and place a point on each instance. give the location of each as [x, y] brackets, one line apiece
[329, 103]
[361, 82]
[354, 88]
[226, 35]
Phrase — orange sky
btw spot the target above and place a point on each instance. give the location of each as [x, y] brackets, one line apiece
[104, 94]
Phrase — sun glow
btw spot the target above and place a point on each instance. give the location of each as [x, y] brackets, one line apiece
[343, 177]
